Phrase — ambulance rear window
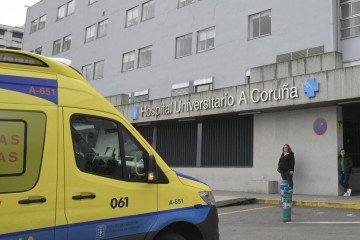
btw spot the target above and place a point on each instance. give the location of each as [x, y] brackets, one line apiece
[22, 137]
[20, 58]
[12, 147]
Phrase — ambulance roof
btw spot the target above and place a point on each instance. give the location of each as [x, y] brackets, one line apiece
[29, 78]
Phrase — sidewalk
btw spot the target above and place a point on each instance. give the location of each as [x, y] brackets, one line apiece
[224, 198]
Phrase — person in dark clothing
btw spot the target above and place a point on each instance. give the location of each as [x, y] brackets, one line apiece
[345, 165]
[287, 164]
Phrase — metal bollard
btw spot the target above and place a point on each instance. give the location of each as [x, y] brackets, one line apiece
[286, 213]
[284, 184]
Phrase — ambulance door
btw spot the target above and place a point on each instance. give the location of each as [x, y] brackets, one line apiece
[28, 171]
[106, 191]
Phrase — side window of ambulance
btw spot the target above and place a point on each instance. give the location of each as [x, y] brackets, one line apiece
[22, 136]
[135, 157]
[106, 148]
[97, 146]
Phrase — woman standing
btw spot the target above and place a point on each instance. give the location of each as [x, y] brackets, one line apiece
[287, 164]
[345, 165]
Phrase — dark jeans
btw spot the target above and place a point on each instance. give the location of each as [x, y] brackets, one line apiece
[344, 180]
[288, 177]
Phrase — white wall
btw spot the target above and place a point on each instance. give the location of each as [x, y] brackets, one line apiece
[315, 156]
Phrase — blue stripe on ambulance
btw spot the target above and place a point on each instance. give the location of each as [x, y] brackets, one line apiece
[39, 87]
[117, 227]
[37, 234]
[188, 177]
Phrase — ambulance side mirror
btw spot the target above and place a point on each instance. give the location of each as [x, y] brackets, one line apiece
[152, 174]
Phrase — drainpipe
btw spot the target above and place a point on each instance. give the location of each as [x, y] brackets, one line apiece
[334, 33]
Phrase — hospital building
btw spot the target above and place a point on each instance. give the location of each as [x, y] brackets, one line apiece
[218, 87]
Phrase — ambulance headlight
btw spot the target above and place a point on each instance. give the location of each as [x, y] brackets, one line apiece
[208, 197]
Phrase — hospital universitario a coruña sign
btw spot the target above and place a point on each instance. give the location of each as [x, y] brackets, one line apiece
[255, 95]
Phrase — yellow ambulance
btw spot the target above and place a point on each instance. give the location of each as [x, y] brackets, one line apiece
[72, 167]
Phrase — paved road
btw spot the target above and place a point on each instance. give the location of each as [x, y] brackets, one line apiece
[264, 222]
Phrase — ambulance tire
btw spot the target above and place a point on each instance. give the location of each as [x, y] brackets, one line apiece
[170, 236]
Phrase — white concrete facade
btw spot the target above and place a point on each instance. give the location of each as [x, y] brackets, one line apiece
[315, 22]
[315, 156]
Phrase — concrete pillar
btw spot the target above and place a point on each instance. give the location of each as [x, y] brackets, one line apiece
[198, 144]
[340, 137]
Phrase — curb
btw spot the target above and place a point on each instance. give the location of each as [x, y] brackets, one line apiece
[234, 201]
[298, 203]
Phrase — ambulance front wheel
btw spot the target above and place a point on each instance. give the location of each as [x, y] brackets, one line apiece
[170, 236]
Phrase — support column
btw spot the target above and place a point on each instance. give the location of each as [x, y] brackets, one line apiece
[153, 144]
[340, 136]
[198, 144]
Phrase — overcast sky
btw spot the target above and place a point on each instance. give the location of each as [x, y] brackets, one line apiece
[13, 12]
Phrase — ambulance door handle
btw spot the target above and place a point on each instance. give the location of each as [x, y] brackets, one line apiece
[84, 196]
[33, 199]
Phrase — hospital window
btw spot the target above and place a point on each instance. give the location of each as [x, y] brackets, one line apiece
[260, 24]
[38, 50]
[61, 12]
[180, 89]
[203, 88]
[102, 28]
[148, 10]
[90, 33]
[66, 43]
[70, 7]
[145, 56]
[141, 96]
[202, 85]
[128, 61]
[183, 3]
[99, 70]
[183, 46]
[206, 39]
[34, 25]
[17, 35]
[56, 47]
[350, 18]
[86, 71]
[132, 16]
[42, 22]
